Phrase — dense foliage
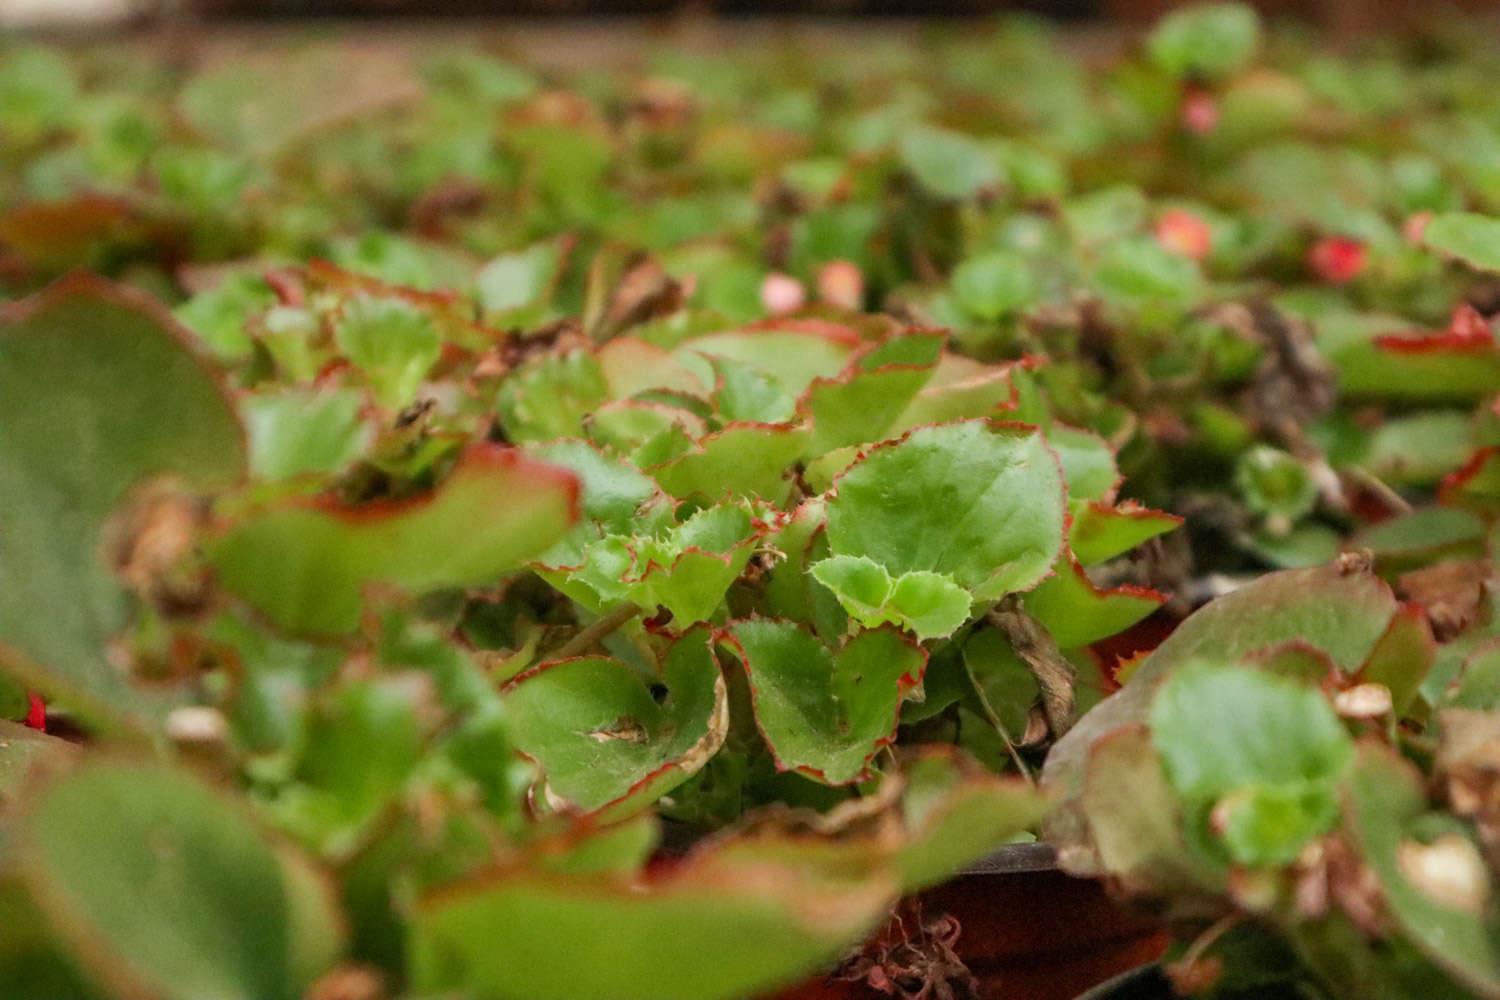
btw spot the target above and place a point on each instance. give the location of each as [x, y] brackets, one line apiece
[471, 519]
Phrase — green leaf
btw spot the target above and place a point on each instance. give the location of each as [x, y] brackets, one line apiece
[1424, 535]
[959, 389]
[980, 503]
[1472, 238]
[1088, 462]
[612, 495]
[1135, 820]
[740, 460]
[1100, 532]
[792, 353]
[1006, 686]
[296, 430]
[1077, 612]
[221, 915]
[1205, 41]
[1264, 753]
[305, 563]
[955, 813]
[685, 568]
[219, 315]
[825, 714]
[1383, 805]
[518, 280]
[1274, 484]
[549, 396]
[949, 164]
[863, 403]
[394, 342]
[1342, 611]
[606, 743]
[928, 604]
[104, 393]
[766, 921]
[362, 744]
[994, 283]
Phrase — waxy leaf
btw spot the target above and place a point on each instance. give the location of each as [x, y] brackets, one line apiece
[1100, 532]
[685, 568]
[305, 564]
[925, 603]
[604, 741]
[104, 393]
[221, 913]
[823, 712]
[792, 352]
[1076, 612]
[863, 403]
[981, 503]
[715, 927]
[740, 460]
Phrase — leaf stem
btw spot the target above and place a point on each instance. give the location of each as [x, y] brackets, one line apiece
[1038, 650]
[596, 631]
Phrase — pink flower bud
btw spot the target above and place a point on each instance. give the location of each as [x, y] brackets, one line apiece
[781, 294]
[1199, 111]
[841, 284]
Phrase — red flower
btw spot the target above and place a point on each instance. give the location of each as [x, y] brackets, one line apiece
[1468, 330]
[1338, 260]
[36, 712]
[1184, 234]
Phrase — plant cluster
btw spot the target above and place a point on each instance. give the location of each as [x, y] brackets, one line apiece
[480, 518]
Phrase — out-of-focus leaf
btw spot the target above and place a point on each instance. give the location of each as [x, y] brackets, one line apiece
[305, 564]
[1383, 806]
[1472, 238]
[1340, 610]
[955, 813]
[296, 431]
[105, 393]
[222, 914]
[767, 918]
[392, 341]
[949, 164]
[1207, 41]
